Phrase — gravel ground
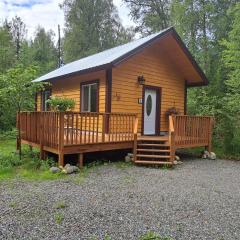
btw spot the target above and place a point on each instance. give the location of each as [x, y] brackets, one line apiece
[199, 199]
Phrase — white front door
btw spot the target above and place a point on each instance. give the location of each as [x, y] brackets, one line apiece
[150, 112]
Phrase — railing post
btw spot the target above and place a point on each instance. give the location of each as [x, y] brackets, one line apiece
[103, 126]
[210, 131]
[42, 136]
[61, 139]
[172, 120]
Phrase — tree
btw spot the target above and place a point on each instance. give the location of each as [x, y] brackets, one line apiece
[18, 29]
[150, 15]
[91, 26]
[44, 51]
[16, 93]
[231, 60]
[7, 54]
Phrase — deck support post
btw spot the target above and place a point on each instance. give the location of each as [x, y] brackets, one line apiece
[61, 140]
[80, 160]
[61, 159]
[135, 148]
[18, 143]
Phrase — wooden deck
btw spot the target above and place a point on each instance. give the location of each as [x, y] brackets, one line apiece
[78, 133]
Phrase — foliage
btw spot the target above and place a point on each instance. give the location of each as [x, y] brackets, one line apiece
[172, 111]
[61, 104]
[7, 54]
[98, 17]
[29, 167]
[59, 217]
[150, 16]
[231, 59]
[17, 93]
[44, 52]
[18, 30]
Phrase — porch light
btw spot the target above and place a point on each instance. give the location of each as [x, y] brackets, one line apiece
[141, 80]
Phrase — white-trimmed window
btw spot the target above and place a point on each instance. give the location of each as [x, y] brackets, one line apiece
[45, 96]
[89, 97]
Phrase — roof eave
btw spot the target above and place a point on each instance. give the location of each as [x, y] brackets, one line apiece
[85, 71]
[192, 60]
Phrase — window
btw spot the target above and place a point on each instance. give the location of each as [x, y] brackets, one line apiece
[45, 96]
[89, 97]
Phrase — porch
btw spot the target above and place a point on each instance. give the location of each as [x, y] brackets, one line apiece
[81, 132]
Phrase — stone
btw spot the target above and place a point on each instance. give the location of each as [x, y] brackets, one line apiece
[212, 156]
[67, 165]
[127, 159]
[70, 169]
[130, 155]
[55, 170]
[175, 162]
[205, 155]
[177, 158]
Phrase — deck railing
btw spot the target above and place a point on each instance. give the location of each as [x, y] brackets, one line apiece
[56, 130]
[190, 131]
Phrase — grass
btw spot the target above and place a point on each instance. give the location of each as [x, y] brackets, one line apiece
[60, 205]
[153, 236]
[29, 167]
[59, 217]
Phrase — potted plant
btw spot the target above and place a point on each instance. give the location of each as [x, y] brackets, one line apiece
[172, 111]
[61, 104]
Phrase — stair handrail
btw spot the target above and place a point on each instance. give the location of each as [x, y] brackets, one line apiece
[135, 128]
[135, 131]
[172, 137]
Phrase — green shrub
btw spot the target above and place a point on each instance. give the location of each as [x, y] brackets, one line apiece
[153, 236]
[9, 160]
[7, 135]
[61, 104]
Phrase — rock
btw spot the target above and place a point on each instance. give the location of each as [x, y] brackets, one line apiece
[128, 159]
[177, 162]
[54, 170]
[70, 169]
[212, 156]
[177, 158]
[205, 155]
[67, 165]
[130, 155]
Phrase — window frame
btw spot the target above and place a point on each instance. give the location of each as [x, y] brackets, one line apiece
[44, 106]
[86, 83]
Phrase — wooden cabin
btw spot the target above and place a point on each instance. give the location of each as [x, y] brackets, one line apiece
[122, 97]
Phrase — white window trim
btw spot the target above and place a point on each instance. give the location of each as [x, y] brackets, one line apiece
[89, 96]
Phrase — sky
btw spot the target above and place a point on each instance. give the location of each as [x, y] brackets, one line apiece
[46, 13]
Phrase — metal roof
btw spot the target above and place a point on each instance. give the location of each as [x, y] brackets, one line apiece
[100, 59]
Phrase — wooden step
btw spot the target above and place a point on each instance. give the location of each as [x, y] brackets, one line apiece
[153, 156]
[153, 150]
[153, 145]
[153, 162]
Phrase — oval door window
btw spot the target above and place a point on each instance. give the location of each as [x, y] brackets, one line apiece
[149, 105]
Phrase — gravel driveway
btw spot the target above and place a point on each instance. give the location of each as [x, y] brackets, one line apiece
[199, 199]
